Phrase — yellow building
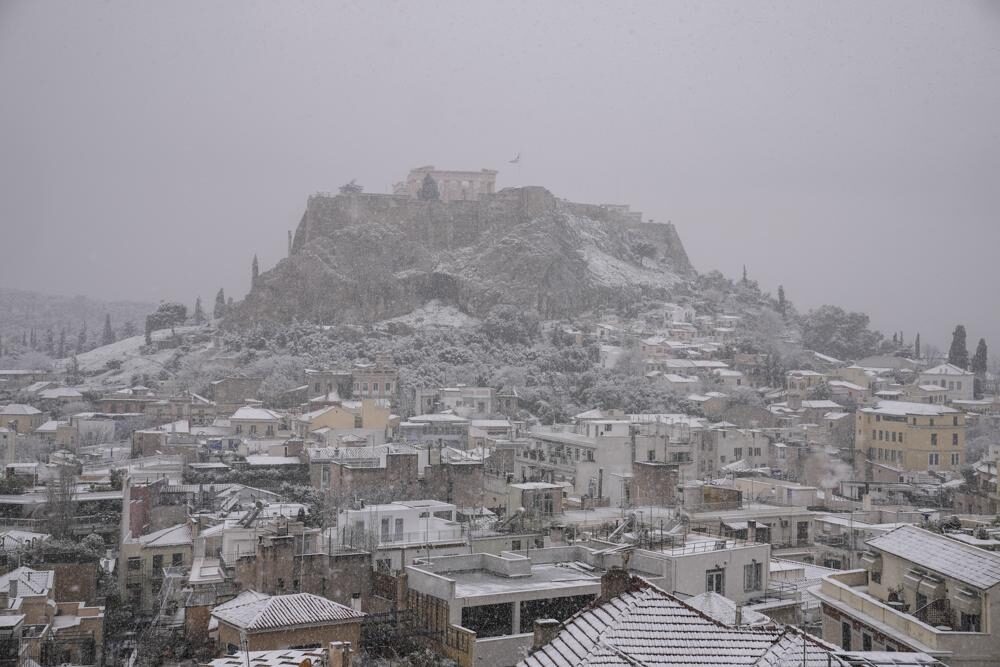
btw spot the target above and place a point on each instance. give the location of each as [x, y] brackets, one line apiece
[23, 418]
[368, 414]
[912, 436]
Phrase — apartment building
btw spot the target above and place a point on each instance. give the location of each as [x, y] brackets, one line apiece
[911, 436]
[918, 591]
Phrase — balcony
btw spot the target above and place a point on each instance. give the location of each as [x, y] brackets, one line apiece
[847, 592]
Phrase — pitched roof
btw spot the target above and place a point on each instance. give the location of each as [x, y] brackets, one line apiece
[19, 409]
[904, 408]
[722, 609]
[971, 565]
[249, 413]
[59, 393]
[946, 369]
[280, 658]
[174, 535]
[29, 582]
[255, 611]
[650, 627]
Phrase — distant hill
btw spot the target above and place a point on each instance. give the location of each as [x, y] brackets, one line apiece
[359, 258]
[20, 311]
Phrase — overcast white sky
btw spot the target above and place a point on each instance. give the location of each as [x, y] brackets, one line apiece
[849, 150]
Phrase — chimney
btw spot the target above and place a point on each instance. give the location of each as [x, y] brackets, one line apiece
[739, 616]
[546, 630]
[614, 582]
[339, 654]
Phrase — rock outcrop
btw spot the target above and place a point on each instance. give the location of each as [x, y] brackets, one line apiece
[361, 258]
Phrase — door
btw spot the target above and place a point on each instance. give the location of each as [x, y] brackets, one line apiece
[715, 581]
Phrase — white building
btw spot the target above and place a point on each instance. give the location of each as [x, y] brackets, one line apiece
[957, 381]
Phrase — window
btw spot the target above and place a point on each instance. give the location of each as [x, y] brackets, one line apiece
[607, 428]
[651, 455]
[954, 439]
[932, 421]
[845, 635]
[375, 387]
[715, 581]
[866, 641]
[177, 560]
[752, 576]
[738, 453]
[388, 387]
[954, 421]
[134, 563]
[253, 429]
[954, 458]
[934, 439]
[971, 622]
[157, 564]
[515, 545]
[932, 459]
[893, 434]
[901, 437]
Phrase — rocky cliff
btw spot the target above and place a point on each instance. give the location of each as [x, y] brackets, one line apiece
[363, 257]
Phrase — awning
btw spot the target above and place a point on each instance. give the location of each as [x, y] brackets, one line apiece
[736, 525]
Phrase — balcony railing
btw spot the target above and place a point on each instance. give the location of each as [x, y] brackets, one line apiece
[848, 592]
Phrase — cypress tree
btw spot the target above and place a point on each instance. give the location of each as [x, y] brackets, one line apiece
[108, 336]
[220, 304]
[958, 353]
[916, 347]
[254, 272]
[979, 359]
[199, 314]
[782, 303]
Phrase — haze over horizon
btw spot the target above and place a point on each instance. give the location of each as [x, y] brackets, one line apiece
[848, 151]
